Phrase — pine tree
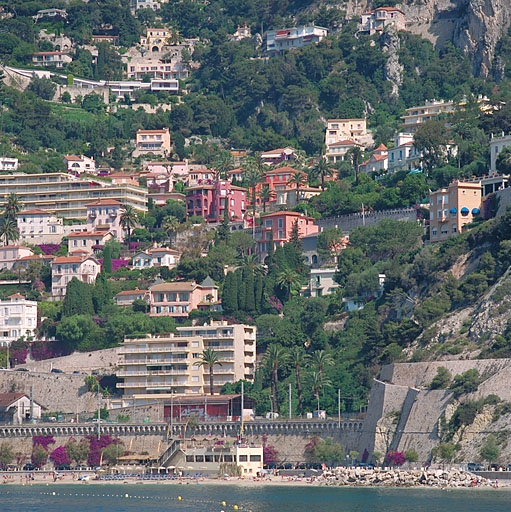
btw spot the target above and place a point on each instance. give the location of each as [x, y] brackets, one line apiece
[107, 259]
[249, 291]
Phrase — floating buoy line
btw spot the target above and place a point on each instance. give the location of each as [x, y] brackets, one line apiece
[223, 506]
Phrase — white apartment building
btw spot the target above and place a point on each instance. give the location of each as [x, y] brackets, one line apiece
[157, 257]
[155, 5]
[51, 59]
[8, 164]
[337, 151]
[39, 226]
[157, 68]
[497, 144]
[10, 254]
[79, 164]
[278, 41]
[321, 282]
[415, 116]
[18, 317]
[374, 22]
[403, 155]
[66, 195]
[161, 365]
[105, 215]
[64, 268]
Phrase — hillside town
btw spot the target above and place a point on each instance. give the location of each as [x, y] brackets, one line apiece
[233, 244]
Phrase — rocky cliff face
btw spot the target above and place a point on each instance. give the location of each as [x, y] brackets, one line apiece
[474, 26]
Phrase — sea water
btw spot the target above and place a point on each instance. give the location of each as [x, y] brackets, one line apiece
[210, 498]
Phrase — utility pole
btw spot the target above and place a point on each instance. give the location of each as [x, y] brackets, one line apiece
[171, 411]
[99, 416]
[31, 404]
[7, 365]
[242, 400]
[290, 400]
[339, 407]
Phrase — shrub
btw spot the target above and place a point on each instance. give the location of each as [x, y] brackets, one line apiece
[43, 441]
[411, 455]
[442, 379]
[467, 382]
[490, 450]
[394, 458]
[270, 454]
[60, 457]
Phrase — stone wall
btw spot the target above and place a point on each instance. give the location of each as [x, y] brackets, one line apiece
[101, 360]
[54, 391]
[349, 222]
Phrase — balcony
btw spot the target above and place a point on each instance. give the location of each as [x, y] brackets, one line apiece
[135, 350]
[148, 373]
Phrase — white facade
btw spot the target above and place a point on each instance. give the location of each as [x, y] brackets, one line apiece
[415, 116]
[155, 5]
[64, 268]
[160, 257]
[375, 21]
[80, 164]
[16, 408]
[321, 282]
[497, 144]
[38, 225]
[51, 59]
[8, 164]
[10, 254]
[278, 41]
[18, 317]
[105, 215]
[158, 366]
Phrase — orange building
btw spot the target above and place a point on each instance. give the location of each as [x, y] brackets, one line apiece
[452, 208]
[278, 180]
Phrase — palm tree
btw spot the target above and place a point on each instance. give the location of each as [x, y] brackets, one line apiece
[299, 360]
[223, 163]
[298, 178]
[209, 358]
[170, 224]
[12, 207]
[9, 230]
[321, 359]
[322, 169]
[355, 153]
[266, 195]
[290, 281]
[274, 357]
[129, 219]
[318, 382]
[251, 262]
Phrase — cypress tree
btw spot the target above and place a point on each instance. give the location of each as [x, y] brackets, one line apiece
[78, 299]
[249, 291]
[241, 292]
[107, 259]
[101, 294]
[271, 251]
[230, 294]
[295, 237]
[258, 293]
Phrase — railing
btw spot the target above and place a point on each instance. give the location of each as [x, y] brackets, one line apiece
[169, 452]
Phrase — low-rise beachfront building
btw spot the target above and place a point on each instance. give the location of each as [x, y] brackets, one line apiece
[18, 318]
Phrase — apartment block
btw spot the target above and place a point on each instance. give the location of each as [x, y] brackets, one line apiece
[321, 282]
[354, 130]
[66, 195]
[105, 215]
[157, 68]
[10, 254]
[179, 298]
[65, 268]
[153, 142]
[38, 225]
[51, 59]
[213, 201]
[78, 164]
[18, 317]
[497, 144]
[8, 164]
[157, 257]
[452, 208]
[415, 116]
[282, 40]
[155, 39]
[155, 5]
[375, 21]
[162, 365]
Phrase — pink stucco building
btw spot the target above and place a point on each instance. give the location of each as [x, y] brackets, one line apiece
[281, 225]
[210, 201]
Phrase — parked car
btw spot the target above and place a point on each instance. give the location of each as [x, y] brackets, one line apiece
[63, 467]
[473, 466]
[56, 370]
[29, 467]
[22, 370]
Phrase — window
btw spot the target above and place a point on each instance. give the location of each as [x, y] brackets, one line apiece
[199, 458]
[268, 223]
[243, 458]
[255, 458]
[195, 379]
[434, 231]
[281, 223]
[454, 228]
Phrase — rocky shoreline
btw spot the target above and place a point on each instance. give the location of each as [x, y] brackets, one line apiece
[389, 477]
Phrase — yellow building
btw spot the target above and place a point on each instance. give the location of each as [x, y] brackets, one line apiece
[65, 195]
[162, 365]
[452, 208]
